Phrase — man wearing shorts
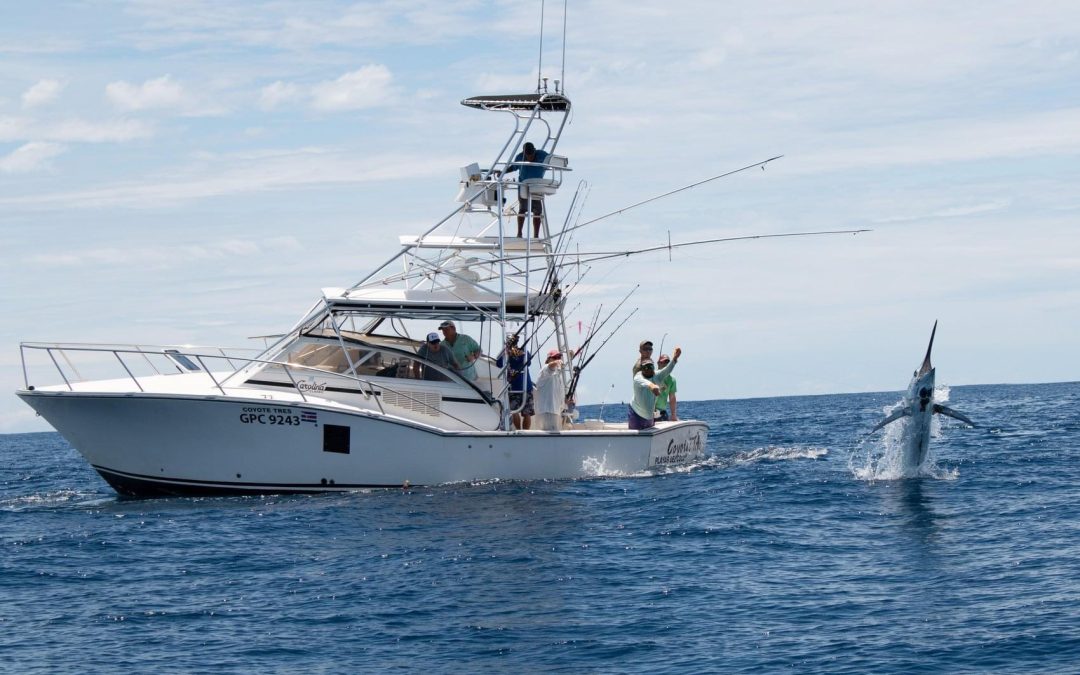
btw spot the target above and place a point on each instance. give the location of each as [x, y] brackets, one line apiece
[529, 153]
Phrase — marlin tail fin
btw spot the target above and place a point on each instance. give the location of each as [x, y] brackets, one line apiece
[945, 410]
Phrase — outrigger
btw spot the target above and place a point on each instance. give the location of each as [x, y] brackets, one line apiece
[343, 400]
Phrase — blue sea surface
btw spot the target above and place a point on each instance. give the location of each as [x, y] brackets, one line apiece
[786, 549]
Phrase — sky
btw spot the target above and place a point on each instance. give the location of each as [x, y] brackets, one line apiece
[195, 172]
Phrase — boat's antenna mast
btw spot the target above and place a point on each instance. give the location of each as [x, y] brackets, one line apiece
[562, 71]
[540, 60]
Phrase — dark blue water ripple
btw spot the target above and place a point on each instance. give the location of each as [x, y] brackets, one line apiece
[770, 555]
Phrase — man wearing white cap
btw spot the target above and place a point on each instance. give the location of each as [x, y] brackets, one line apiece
[434, 352]
[550, 394]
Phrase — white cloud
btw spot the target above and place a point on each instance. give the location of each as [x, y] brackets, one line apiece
[158, 93]
[368, 87]
[950, 212]
[277, 93]
[300, 25]
[81, 131]
[970, 139]
[14, 129]
[32, 156]
[173, 255]
[45, 91]
[240, 175]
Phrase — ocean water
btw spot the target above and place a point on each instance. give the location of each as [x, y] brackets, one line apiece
[788, 549]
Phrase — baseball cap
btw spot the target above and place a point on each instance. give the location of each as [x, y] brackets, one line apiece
[447, 324]
[644, 344]
[554, 354]
[433, 337]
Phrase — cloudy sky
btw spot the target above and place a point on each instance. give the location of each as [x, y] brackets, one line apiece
[194, 172]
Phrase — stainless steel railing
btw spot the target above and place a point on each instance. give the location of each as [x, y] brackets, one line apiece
[169, 352]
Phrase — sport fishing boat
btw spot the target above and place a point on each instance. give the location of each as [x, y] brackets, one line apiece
[348, 398]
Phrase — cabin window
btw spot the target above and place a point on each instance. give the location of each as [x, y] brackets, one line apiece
[310, 354]
[405, 368]
[182, 362]
[331, 358]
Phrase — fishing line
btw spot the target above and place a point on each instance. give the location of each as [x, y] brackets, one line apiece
[677, 190]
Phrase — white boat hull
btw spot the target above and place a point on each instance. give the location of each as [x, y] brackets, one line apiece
[153, 444]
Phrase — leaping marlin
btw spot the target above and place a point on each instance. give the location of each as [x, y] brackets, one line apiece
[919, 405]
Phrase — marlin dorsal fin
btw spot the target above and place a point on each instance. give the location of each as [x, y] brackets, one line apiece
[926, 367]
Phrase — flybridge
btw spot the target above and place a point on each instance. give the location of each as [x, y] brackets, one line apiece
[467, 266]
[464, 305]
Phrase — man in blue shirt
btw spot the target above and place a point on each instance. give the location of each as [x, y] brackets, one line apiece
[529, 153]
[521, 384]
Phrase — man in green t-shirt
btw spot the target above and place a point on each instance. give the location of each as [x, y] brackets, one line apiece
[666, 399]
[465, 349]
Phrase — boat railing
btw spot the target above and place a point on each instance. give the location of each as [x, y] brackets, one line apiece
[185, 362]
[480, 186]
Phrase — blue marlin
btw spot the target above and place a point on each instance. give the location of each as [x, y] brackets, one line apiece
[918, 406]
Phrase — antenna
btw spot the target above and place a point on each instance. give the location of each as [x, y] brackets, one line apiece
[562, 74]
[540, 60]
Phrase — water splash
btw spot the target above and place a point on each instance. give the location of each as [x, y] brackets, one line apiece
[54, 499]
[778, 454]
[769, 453]
[881, 457]
[597, 467]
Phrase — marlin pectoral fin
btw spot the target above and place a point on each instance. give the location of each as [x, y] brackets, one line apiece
[945, 410]
[902, 412]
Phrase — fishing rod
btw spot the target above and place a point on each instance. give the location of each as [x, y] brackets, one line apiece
[676, 190]
[532, 353]
[551, 279]
[592, 256]
[583, 348]
[604, 402]
[577, 369]
[603, 255]
[593, 332]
